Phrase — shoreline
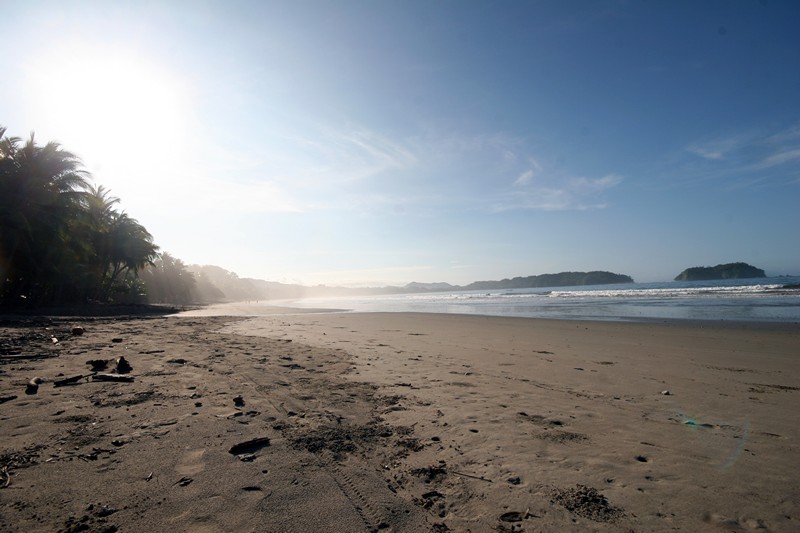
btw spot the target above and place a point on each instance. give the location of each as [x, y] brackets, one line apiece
[243, 312]
[248, 309]
[401, 422]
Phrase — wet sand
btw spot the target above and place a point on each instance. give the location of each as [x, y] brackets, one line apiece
[400, 422]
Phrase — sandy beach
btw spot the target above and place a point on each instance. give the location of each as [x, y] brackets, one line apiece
[398, 422]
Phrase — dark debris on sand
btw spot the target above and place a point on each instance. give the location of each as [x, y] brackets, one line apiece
[340, 440]
[586, 502]
[431, 473]
[15, 459]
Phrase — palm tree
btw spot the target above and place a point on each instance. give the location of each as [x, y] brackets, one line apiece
[61, 238]
[131, 249]
[40, 192]
[94, 237]
[10, 216]
[169, 281]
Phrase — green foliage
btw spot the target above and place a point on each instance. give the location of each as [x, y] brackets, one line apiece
[167, 280]
[61, 240]
[218, 284]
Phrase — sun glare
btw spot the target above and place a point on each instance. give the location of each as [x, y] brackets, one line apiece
[109, 106]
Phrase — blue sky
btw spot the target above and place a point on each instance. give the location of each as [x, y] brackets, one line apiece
[372, 142]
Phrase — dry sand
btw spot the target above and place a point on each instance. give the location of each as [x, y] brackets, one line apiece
[400, 422]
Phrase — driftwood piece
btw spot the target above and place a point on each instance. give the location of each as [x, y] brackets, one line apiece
[471, 476]
[249, 446]
[112, 377]
[70, 380]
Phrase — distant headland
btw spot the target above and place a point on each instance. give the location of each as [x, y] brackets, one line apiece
[726, 271]
[561, 279]
[214, 284]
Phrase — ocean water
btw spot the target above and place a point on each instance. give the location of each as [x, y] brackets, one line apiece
[751, 300]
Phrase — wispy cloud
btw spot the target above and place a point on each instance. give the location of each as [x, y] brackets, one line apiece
[571, 193]
[718, 149]
[537, 186]
[587, 185]
[524, 178]
[500, 173]
[742, 160]
[294, 171]
[360, 170]
[706, 152]
[779, 158]
[533, 169]
[365, 149]
[327, 156]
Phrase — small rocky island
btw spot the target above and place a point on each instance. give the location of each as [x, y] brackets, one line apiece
[726, 271]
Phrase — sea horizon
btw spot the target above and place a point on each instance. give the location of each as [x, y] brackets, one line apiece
[745, 300]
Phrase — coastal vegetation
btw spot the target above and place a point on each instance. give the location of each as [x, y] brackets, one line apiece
[62, 239]
[726, 271]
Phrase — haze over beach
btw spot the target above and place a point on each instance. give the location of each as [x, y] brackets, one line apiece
[360, 143]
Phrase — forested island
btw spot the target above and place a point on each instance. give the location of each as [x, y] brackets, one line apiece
[562, 279]
[726, 271]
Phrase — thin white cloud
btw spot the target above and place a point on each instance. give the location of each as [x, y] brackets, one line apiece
[324, 156]
[750, 151]
[527, 176]
[574, 193]
[706, 152]
[509, 156]
[779, 158]
[374, 149]
[790, 135]
[538, 187]
[721, 148]
[587, 185]
[747, 159]
[285, 173]
[524, 178]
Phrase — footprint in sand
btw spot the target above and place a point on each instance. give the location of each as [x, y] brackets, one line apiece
[752, 524]
[191, 463]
